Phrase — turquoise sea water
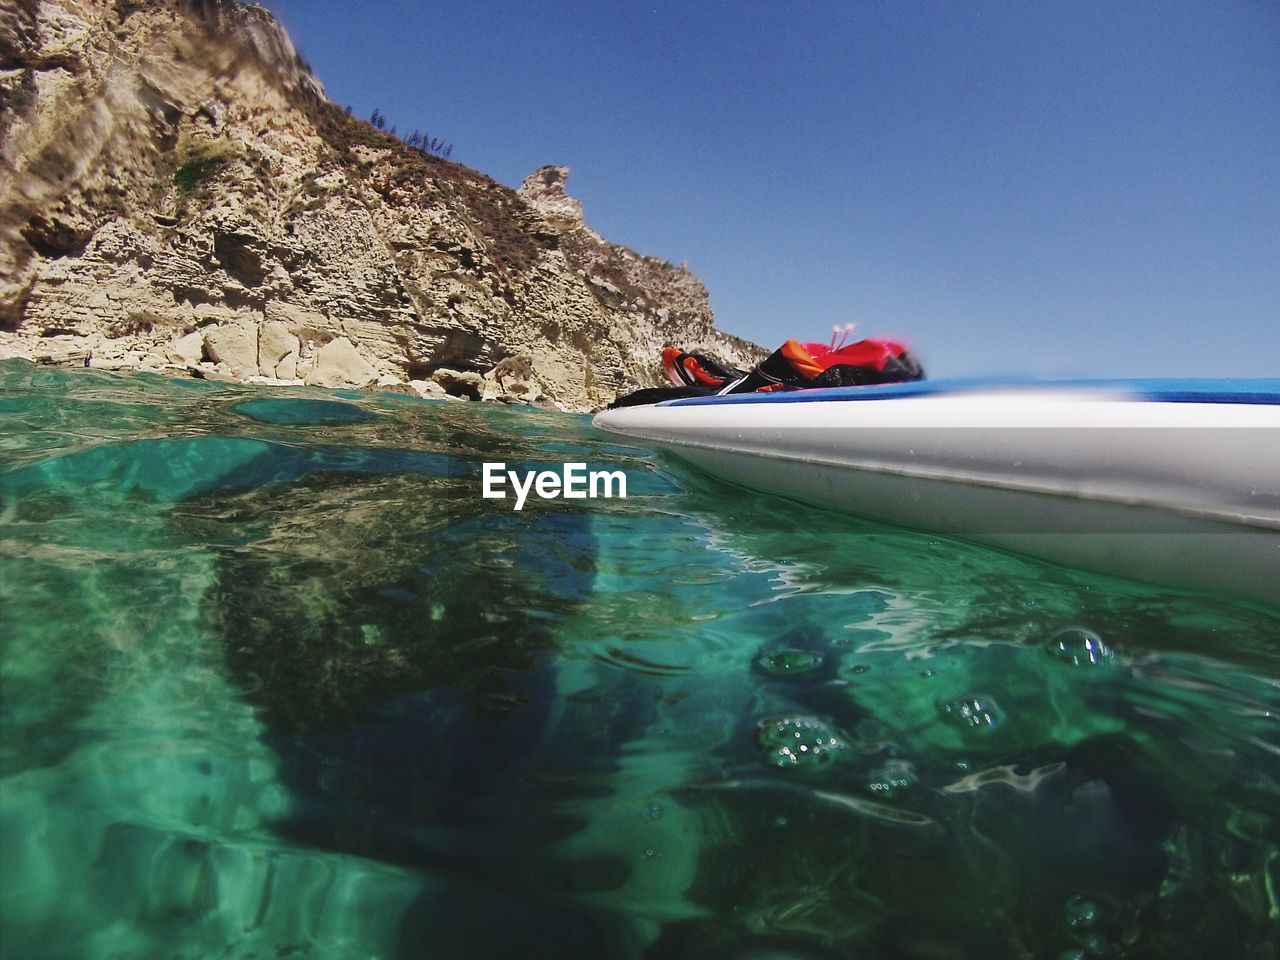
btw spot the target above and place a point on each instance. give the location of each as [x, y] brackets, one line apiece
[276, 682]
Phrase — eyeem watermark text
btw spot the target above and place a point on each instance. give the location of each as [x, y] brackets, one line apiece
[573, 482]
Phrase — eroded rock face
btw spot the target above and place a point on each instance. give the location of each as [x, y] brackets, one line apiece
[339, 363]
[544, 190]
[174, 169]
[460, 383]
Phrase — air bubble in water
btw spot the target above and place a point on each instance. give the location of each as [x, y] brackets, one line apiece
[891, 779]
[803, 742]
[1081, 913]
[1078, 647]
[975, 711]
[789, 661]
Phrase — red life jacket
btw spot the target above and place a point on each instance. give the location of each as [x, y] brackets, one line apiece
[797, 366]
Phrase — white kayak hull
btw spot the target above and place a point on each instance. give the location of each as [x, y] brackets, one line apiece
[1182, 491]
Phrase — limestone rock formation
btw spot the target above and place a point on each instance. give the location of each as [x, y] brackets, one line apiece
[176, 192]
[544, 191]
[460, 383]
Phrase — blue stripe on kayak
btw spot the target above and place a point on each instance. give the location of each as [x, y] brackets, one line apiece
[1260, 391]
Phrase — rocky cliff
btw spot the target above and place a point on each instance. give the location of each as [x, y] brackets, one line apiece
[177, 192]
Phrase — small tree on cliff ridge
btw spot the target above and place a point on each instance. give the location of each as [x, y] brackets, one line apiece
[421, 142]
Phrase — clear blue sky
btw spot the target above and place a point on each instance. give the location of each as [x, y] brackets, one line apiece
[1074, 188]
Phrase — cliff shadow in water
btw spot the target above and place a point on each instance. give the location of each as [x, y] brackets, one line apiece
[398, 635]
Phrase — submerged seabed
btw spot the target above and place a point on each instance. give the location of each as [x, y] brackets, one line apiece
[277, 682]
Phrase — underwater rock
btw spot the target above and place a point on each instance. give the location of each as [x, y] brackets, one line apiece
[297, 411]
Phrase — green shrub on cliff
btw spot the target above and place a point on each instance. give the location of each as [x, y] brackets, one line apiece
[200, 161]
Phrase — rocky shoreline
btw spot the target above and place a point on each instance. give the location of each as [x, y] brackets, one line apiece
[336, 365]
